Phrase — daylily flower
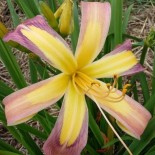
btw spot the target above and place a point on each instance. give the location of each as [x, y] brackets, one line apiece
[79, 77]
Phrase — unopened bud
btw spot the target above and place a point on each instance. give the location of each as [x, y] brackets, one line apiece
[66, 23]
[49, 15]
[3, 30]
[58, 12]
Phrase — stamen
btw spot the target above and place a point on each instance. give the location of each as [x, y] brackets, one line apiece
[114, 85]
[126, 86]
[82, 84]
[113, 129]
[74, 84]
[99, 90]
[96, 83]
[119, 98]
[115, 80]
[108, 85]
[91, 86]
[84, 77]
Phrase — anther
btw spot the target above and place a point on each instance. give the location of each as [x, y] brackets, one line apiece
[108, 85]
[126, 86]
[95, 83]
[115, 76]
[124, 92]
[125, 89]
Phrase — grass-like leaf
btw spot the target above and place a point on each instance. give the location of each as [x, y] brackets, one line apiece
[10, 62]
[13, 13]
[75, 33]
[5, 146]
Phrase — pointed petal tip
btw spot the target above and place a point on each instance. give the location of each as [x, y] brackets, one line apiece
[125, 46]
[137, 119]
[94, 29]
[36, 35]
[69, 136]
[53, 146]
[23, 104]
[130, 115]
[135, 69]
[11, 34]
[136, 131]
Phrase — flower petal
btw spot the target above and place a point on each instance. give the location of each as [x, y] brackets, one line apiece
[135, 69]
[121, 61]
[37, 36]
[23, 104]
[130, 115]
[94, 29]
[69, 135]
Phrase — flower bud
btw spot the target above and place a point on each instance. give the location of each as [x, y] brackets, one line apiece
[49, 15]
[66, 24]
[3, 30]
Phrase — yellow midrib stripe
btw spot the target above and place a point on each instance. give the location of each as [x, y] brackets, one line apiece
[58, 53]
[78, 122]
[73, 117]
[68, 119]
[127, 59]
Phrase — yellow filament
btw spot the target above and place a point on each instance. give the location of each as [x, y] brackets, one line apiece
[115, 83]
[90, 86]
[84, 77]
[108, 85]
[119, 98]
[74, 84]
[126, 86]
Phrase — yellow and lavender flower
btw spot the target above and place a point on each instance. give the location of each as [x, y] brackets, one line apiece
[78, 78]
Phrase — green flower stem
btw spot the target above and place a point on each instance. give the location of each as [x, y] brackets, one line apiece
[75, 33]
[145, 89]
[134, 88]
[144, 51]
[52, 4]
[142, 76]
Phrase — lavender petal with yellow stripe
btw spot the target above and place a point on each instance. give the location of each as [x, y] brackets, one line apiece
[37, 36]
[134, 120]
[23, 104]
[94, 29]
[129, 114]
[121, 61]
[71, 129]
